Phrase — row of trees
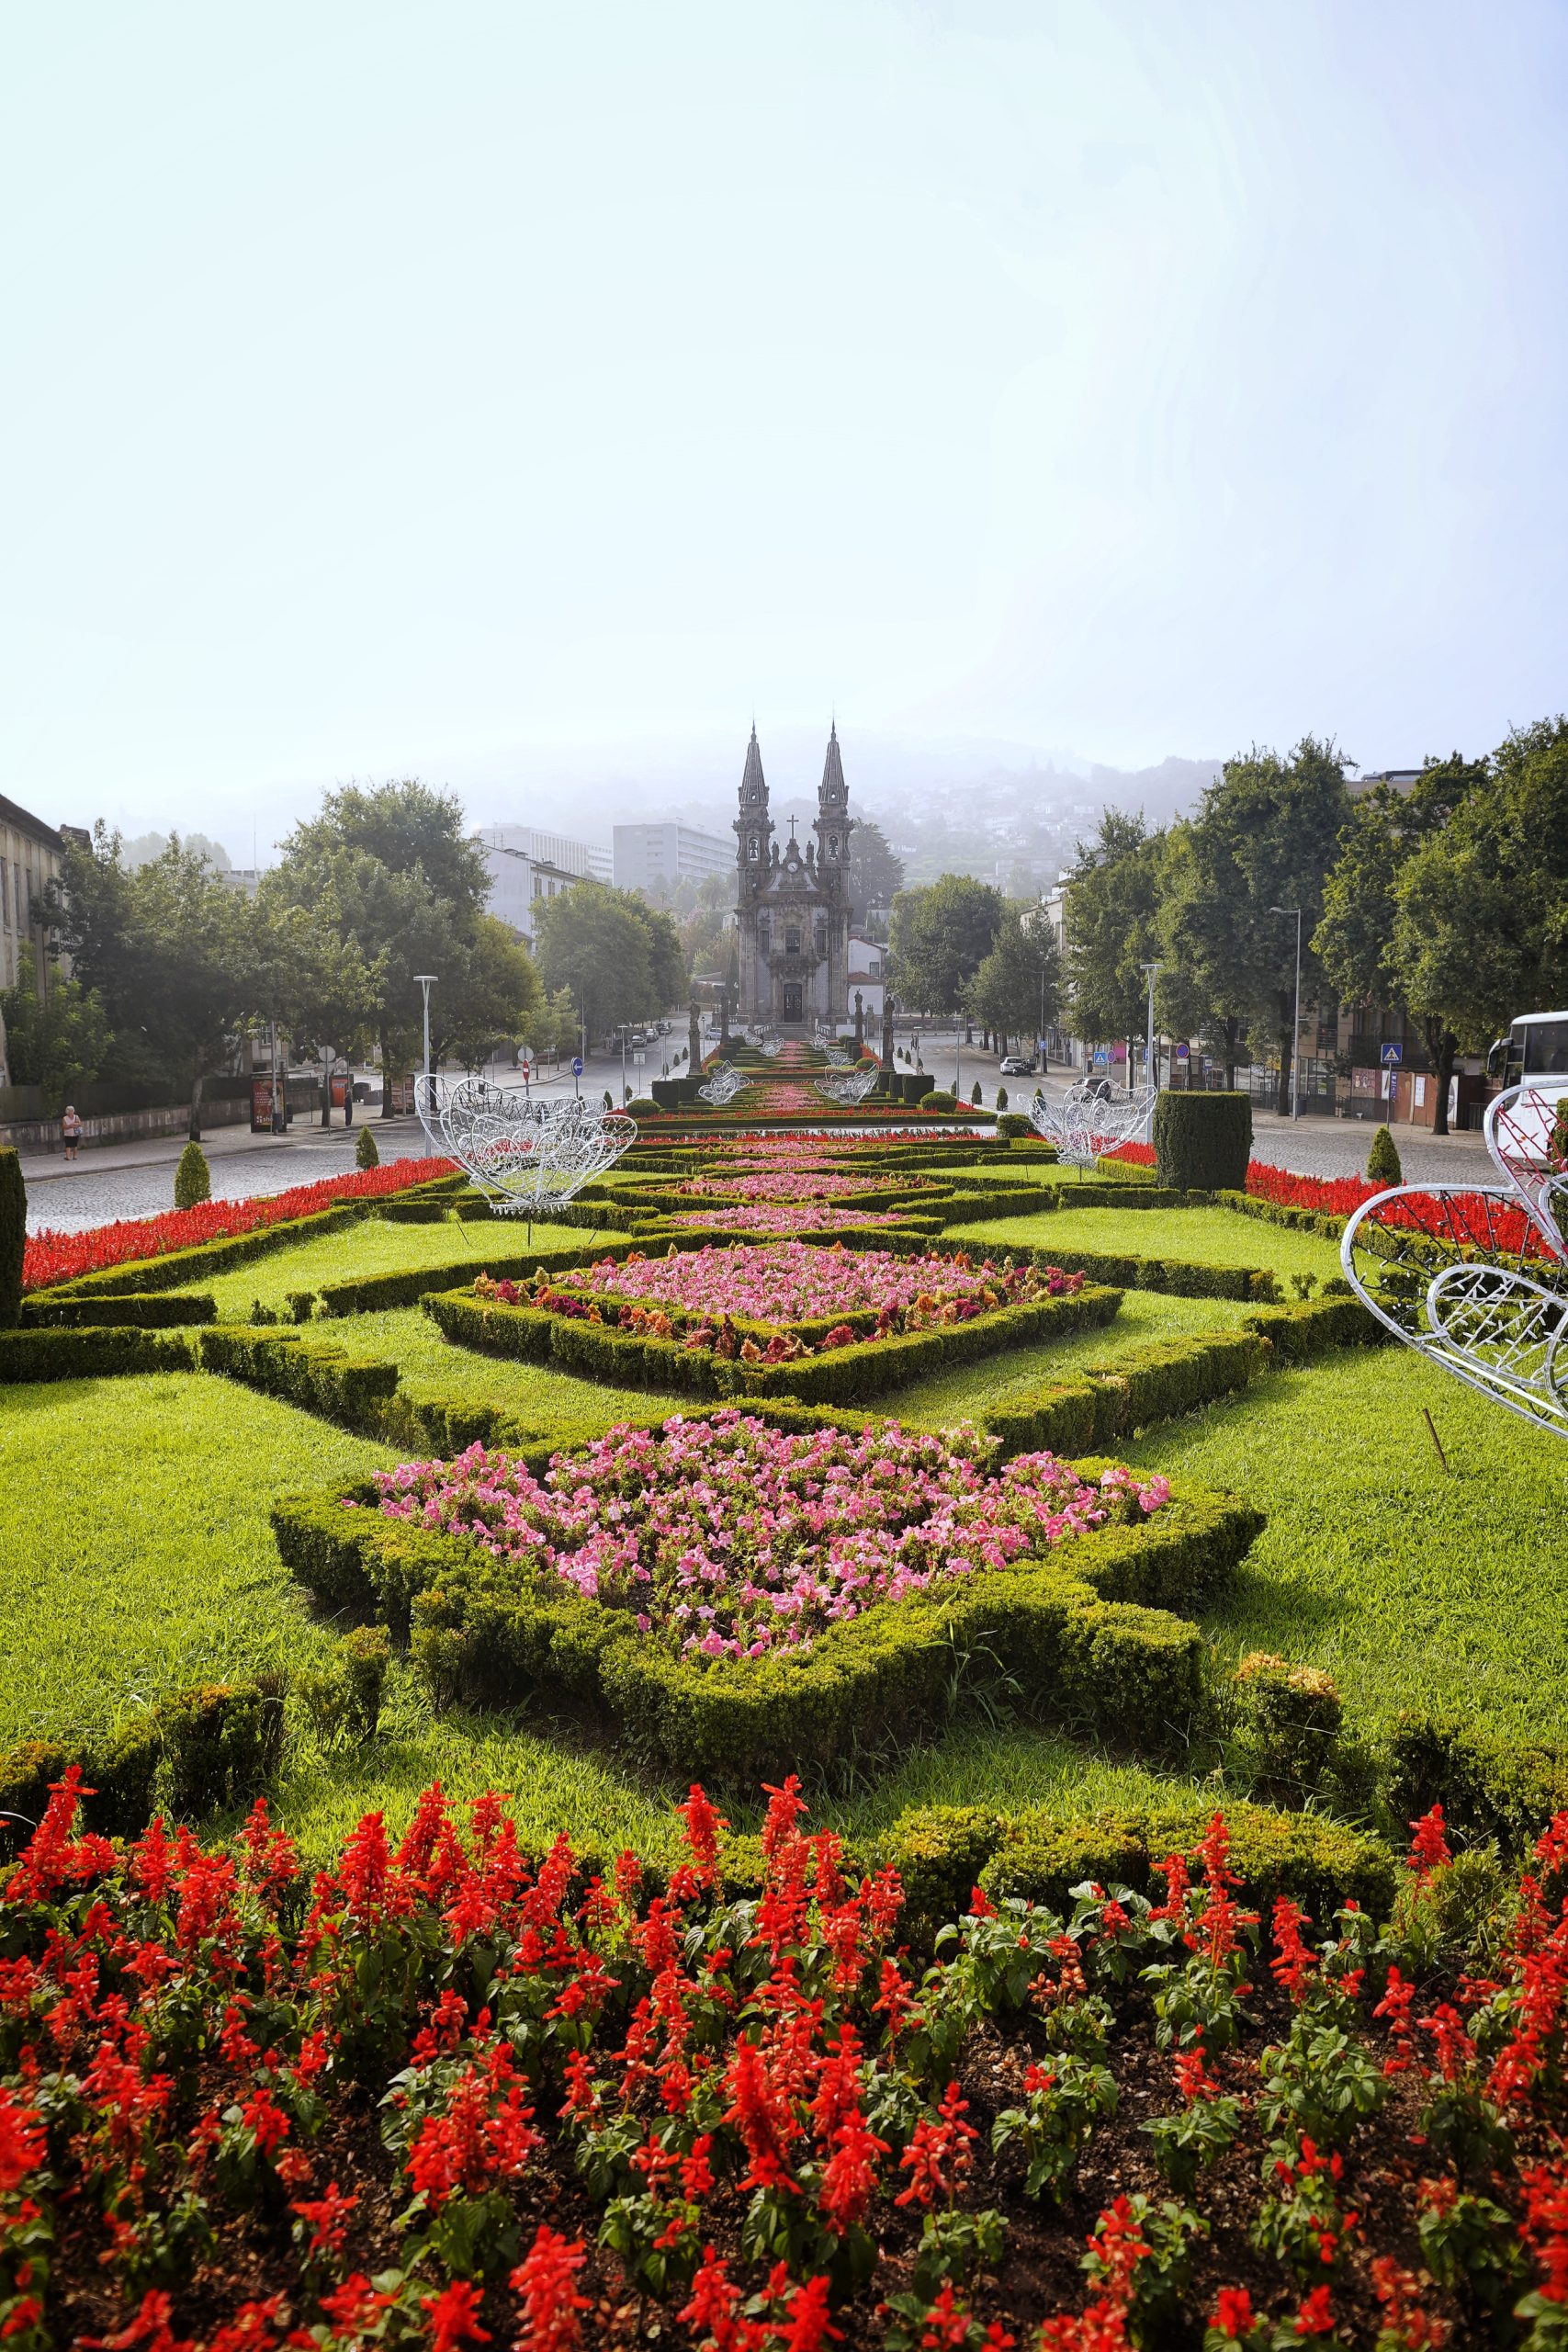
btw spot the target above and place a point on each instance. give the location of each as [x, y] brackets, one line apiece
[1446, 904]
[169, 964]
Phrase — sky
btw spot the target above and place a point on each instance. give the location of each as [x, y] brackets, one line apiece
[519, 396]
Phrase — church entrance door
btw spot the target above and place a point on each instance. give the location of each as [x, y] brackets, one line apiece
[792, 1006]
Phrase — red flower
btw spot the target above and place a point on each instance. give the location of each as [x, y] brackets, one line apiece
[1314, 2316]
[22, 2142]
[546, 2280]
[1234, 2314]
[702, 1825]
[1428, 1846]
[454, 2317]
[326, 2220]
[940, 2154]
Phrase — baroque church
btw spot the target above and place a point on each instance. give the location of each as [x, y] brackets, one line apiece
[793, 905]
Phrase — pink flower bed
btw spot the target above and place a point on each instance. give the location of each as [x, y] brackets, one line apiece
[729, 1539]
[792, 1282]
[803, 1182]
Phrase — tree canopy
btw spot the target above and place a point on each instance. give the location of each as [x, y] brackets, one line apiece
[1017, 989]
[619, 957]
[941, 936]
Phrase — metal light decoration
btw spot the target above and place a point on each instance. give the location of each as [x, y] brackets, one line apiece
[527, 1158]
[1091, 1119]
[847, 1088]
[1477, 1281]
[724, 1083]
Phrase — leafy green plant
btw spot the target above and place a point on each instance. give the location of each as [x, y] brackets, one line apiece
[1382, 1161]
[365, 1154]
[192, 1178]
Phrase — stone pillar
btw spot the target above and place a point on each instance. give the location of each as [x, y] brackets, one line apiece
[694, 1039]
[860, 1024]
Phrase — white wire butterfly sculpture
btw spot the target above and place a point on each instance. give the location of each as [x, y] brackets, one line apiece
[527, 1155]
[1092, 1118]
[1477, 1280]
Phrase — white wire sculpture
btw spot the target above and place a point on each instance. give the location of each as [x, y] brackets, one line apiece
[847, 1088]
[1477, 1280]
[724, 1083]
[527, 1155]
[839, 1056]
[1092, 1118]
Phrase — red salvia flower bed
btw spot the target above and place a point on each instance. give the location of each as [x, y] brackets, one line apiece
[62, 1257]
[444, 2094]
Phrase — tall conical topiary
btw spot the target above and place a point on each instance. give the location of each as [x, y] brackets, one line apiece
[1382, 1161]
[364, 1152]
[192, 1178]
[13, 1238]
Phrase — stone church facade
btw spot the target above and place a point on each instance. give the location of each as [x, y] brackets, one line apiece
[793, 905]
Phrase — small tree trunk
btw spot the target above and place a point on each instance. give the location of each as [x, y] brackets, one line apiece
[1283, 1094]
[386, 1078]
[194, 1128]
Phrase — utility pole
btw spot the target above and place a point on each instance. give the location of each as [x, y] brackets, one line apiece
[1296, 1032]
[426, 981]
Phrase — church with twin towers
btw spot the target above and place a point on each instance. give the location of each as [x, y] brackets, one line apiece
[793, 903]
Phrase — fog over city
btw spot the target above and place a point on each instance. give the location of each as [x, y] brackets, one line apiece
[1033, 387]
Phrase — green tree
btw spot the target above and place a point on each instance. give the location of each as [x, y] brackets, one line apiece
[175, 957]
[1112, 895]
[1369, 956]
[941, 936]
[1265, 837]
[493, 997]
[58, 1042]
[1480, 920]
[612, 952]
[392, 867]
[1017, 986]
[876, 871]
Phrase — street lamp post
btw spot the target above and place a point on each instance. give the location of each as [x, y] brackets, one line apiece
[1296, 1031]
[1150, 1073]
[426, 981]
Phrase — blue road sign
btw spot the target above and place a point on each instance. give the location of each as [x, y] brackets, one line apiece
[1392, 1054]
[577, 1064]
[1102, 1059]
[1183, 1053]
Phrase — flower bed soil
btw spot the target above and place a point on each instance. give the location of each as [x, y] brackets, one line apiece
[445, 2095]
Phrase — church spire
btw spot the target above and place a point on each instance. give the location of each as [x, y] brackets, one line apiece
[833, 793]
[753, 783]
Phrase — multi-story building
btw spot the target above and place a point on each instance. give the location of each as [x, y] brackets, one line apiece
[650, 857]
[585, 861]
[520, 885]
[30, 856]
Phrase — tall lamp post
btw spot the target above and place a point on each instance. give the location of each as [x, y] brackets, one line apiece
[1151, 1073]
[426, 981]
[1296, 1031]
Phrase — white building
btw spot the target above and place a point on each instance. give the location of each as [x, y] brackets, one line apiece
[649, 856]
[520, 885]
[586, 861]
[866, 975]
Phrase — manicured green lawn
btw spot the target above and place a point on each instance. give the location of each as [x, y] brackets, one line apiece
[541, 1400]
[374, 1246]
[135, 1552]
[1144, 1316]
[1204, 1236]
[1413, 1585]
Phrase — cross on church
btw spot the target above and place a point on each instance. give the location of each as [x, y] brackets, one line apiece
[792, 828]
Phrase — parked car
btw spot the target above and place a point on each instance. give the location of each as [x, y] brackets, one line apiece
[1017, 1066]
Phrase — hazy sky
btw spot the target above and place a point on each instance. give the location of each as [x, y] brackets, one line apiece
[491, 391]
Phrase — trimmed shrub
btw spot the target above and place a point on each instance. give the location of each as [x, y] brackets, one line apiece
[1202, 1142]
[13, 1238]
[1001, 1098]
[643, 1106]
[976, 1096]
[1318, 1864]
[1489, 1788]
[192, 1178]
[158, 1312]
[1382, 1161]
[188, 1753]
[1012, 1123]
[937, 1100]
[343, 1698]
[1300, 1333]
[1291, 1718]
[365, 1154]
[92, 1353]
[312, 1373]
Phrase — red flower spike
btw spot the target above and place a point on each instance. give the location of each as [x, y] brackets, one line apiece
[546, 2280]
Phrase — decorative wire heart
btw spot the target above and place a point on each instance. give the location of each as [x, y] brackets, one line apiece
[723, 1085]
[527, 1157]
[1477, 1281]
[851, 1088]
[1087, 1123]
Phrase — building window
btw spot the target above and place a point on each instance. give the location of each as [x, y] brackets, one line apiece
[832, 845]
[752, 849]
[792, 943]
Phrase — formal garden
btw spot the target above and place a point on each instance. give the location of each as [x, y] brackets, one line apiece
[855, 1735]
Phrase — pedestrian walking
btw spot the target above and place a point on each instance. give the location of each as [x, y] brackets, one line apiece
[70, 1130]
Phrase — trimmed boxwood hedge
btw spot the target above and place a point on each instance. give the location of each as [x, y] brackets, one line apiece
[190, 1753]
[482, 1633]
[1298, 1333]
[846, 1376]
[94, 1352]
[1179, 1277]
[1157, 1383]
[1490, 1788]
[1202, 1142]
[160, 1311]
[1277, 1213]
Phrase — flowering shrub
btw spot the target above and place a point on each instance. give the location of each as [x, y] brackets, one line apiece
[794, 1181]
[439, 2094]
[63, 1257]
[728, 1538]
[783, 1216]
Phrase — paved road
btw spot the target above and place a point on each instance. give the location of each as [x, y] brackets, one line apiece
[1308, 1146]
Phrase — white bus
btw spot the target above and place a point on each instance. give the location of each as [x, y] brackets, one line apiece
[1534, 1053]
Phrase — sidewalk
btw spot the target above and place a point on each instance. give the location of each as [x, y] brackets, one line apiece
[404, 1136]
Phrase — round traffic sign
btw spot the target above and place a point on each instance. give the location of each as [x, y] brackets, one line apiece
[577, 1064]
